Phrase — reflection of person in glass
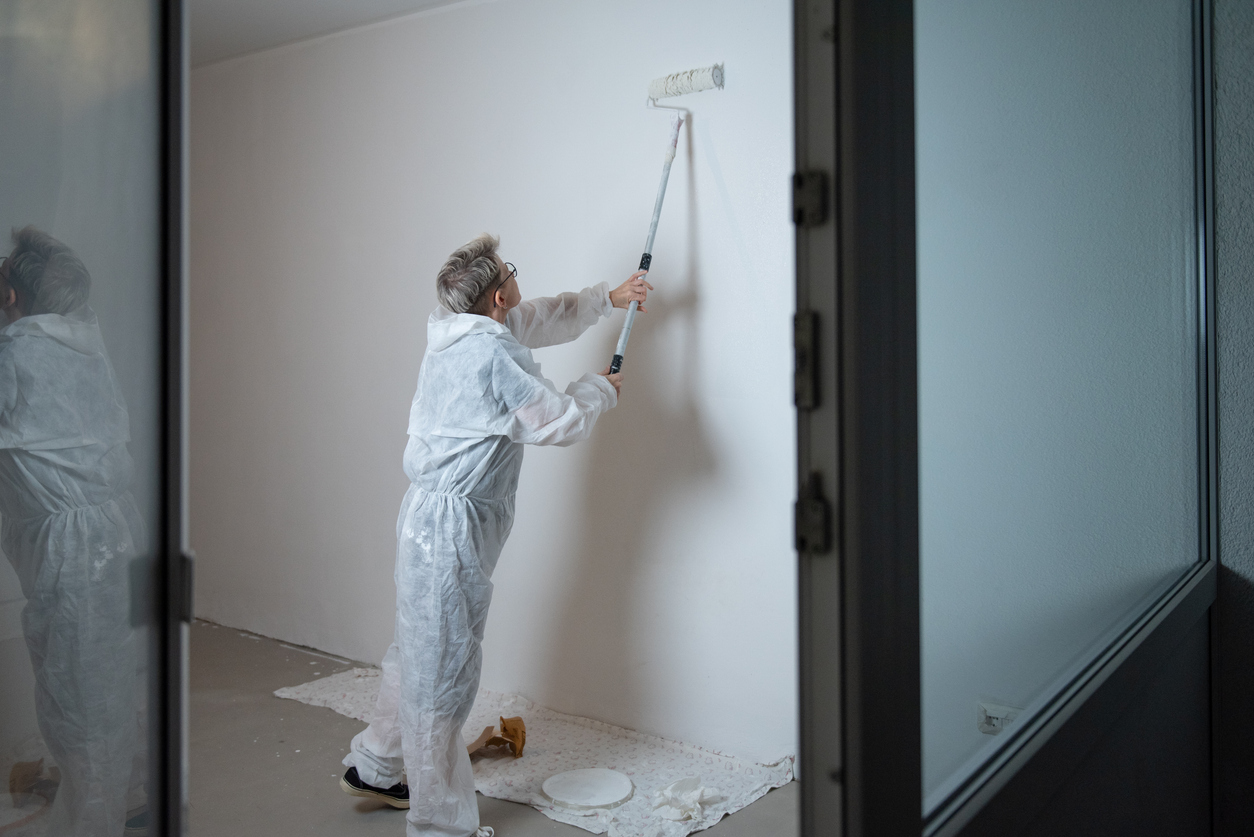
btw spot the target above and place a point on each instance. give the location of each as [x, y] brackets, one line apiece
[70, 529]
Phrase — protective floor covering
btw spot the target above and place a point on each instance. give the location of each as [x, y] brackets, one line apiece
[557, 742]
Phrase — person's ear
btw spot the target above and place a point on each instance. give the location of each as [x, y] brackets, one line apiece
[498, 297]
[8, 297]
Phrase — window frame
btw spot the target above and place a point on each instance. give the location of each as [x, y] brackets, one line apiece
[171, 581]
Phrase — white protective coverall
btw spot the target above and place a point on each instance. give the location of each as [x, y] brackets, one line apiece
[71, 530]
[480, 398]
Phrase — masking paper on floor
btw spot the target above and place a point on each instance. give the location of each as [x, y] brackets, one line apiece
[717, 784]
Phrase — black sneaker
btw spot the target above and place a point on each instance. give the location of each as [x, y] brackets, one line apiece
[397, 796]
[137, 824]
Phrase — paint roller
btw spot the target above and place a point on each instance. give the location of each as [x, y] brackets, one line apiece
[676, 84]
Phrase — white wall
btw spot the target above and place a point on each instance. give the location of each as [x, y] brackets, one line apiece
[649, 579]
[1057, 395]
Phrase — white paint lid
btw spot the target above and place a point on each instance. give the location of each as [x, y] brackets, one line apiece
[582, 790]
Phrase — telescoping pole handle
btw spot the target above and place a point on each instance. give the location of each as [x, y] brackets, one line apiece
[621, 349]
[645, 260]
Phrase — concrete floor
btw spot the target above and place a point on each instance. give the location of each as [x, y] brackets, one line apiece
[261, 765]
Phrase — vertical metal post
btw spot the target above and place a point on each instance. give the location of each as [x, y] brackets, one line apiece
[857, 425]
[167, 792]
[821, 759]
[879, 510]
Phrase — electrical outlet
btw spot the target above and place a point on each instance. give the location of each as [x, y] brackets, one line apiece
[992, 718]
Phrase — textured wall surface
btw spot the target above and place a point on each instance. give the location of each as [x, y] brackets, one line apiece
[649, 580]
[1234, 229]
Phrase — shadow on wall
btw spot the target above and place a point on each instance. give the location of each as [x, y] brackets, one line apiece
[646, 452]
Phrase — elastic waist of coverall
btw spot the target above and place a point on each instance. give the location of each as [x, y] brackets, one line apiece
[61, 512]
[469, 497]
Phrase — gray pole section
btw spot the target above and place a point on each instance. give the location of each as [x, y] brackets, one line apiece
[645, 260]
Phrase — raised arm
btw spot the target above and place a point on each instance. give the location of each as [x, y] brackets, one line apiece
[551, 320]
[548, 321]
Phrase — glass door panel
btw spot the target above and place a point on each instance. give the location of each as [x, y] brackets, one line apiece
[81, 419]
[1058, 345]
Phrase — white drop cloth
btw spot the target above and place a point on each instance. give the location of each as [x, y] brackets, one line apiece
[558, 742]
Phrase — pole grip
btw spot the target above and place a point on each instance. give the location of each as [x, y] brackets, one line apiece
[647, 258]
[621, 349]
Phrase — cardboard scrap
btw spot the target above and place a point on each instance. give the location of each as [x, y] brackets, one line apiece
[513, 737]
[29, 777]
[479, 742]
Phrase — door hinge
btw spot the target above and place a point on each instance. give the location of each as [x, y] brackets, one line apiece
[813, 517]
[809, 198]
[805, 341]
[182, 569]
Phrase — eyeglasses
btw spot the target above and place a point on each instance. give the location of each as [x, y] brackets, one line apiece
[513, 271]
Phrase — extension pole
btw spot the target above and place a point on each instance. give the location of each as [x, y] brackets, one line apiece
[645, 260]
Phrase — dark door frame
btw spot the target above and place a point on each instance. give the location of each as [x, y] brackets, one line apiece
[171, 575]
[859, 585]
[857, 510]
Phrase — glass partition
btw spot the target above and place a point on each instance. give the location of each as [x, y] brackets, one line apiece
[80, 411]
[1058, 294]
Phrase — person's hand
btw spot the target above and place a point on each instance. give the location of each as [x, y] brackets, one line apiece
[634, 289]
[616, 379]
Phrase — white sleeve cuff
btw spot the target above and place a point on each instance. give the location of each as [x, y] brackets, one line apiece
[602, 383]
[603, 294]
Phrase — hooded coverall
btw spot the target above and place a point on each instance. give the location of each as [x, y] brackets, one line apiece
[71, 530]
[480, 398]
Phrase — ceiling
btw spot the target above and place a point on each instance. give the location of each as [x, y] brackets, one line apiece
[226, 28]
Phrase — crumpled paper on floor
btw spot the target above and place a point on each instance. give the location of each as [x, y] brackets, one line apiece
[684, 800]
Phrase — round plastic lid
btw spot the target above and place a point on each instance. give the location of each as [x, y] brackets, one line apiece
[582, 790]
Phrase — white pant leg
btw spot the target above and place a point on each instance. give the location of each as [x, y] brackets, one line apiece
[137, 794]
[84, 655]
[376, 750]
[447, 551]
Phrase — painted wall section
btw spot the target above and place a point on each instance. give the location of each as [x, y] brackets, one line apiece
[649, 580]
[1057, 310]
[1234, 246]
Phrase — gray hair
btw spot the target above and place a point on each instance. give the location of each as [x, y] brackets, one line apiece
[465, 278]
[48, 277]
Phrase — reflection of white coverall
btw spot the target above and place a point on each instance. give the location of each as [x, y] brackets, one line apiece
[480, 398]
[70, 530]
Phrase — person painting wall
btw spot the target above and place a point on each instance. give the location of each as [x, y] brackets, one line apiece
[480, 398]
[71, 530]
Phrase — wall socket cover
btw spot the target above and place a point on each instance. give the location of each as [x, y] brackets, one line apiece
[992, 718]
